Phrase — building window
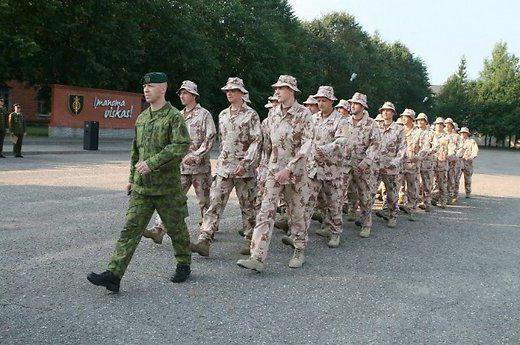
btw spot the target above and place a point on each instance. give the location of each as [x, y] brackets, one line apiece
[4, 93]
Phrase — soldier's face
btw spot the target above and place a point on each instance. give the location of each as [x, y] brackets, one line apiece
[387, 114]
[439, 127]
[154, 91]
[465, 135]
[17, 109]
[422, 123]
[312, 107]
[343, 111]
[1, 103]
[406, 120]
[234, 96]
[356, 108]
[324, 104]
[449, 127]
[187, 98]
[284, 93]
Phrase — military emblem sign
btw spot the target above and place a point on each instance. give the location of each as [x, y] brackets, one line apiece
[75, 104]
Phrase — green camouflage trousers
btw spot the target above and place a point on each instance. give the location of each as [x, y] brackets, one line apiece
[171, 208]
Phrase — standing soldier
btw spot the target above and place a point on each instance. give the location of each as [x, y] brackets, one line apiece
[17, 129]
[469, 153]
[427, 161]
[454, 145]
[393, 150]
[195, 166]
[161, 141]
[440, 149]
[312, 104]
[288, 139]
[3, 125]
[324, 169]
[411, 166]
[362, 138]
[343, 107]
[240, 137]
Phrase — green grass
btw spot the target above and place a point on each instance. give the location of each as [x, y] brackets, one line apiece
[35, 130]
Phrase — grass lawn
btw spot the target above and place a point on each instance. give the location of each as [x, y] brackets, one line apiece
[37, 130]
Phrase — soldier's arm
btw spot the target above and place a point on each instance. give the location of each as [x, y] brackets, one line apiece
[209, 139]
[251, 157]
[424, 146]
[401, 149]
[179, 142]
[374, 146]
[10, 121]
[134, 157]
[306, 146]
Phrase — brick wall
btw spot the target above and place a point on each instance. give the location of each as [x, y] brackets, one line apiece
[27, 96]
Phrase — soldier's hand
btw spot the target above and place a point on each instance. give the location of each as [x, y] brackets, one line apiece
[128, 189]
[143, 168]
[240, 171]
[282, 176]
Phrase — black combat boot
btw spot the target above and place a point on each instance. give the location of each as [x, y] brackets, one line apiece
[182, 272]
[106, 279]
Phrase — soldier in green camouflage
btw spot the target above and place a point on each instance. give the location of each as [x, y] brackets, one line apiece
[17, 129]
[3, 125]
[161, 141]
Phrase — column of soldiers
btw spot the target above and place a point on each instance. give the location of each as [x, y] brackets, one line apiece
[303, 157]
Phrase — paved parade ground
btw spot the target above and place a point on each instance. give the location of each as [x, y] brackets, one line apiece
[452, 277]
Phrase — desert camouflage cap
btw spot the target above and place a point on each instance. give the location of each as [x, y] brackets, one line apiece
[325, 91]
[464, 130]
[234, 83]
[310, 100]
[439, 120]
[422, 116]
[189, 86]
[287, 80]
[343, 103]
[360, 98]
[388, 105]
[409, 112]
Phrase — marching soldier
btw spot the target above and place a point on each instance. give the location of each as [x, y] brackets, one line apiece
[343, 107]
[4, 120]
[195, 166]
[362, 138]
[454, 145]
[469, 153]
[18, 129]
[411, 163]
[288, 140]
[325, 175]
[240, 136]
[161, 141]
[440, 149]
[393, 150]
[427, 162]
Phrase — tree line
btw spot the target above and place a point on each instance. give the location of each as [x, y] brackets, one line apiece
[111, 44]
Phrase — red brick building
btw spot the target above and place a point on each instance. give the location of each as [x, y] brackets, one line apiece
[19, 92]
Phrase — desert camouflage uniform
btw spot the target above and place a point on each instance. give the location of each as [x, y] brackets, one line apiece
[426, 166]
[469, 153]
[288, 140]
[454, 145]
[440, 151]
[240, 136]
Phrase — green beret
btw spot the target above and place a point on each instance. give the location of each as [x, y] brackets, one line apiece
[154, 77]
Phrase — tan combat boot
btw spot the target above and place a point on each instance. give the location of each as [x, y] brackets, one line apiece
[323, 231]
[365, 232]
[392, 222]
[288, 241]
[298, 258]
[282, 224]
[334, 241]
[251, 264]
[155, 234]
[201, 247]
[351, 216]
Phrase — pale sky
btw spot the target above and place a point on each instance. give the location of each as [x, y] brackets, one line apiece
[440, 32]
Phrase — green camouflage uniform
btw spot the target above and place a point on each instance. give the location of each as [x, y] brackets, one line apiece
[17, 128]
[3, 127]
[161, 140]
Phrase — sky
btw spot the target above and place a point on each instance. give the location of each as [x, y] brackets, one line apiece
[440, 32]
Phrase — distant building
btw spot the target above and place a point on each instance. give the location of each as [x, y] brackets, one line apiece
[35, 110]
